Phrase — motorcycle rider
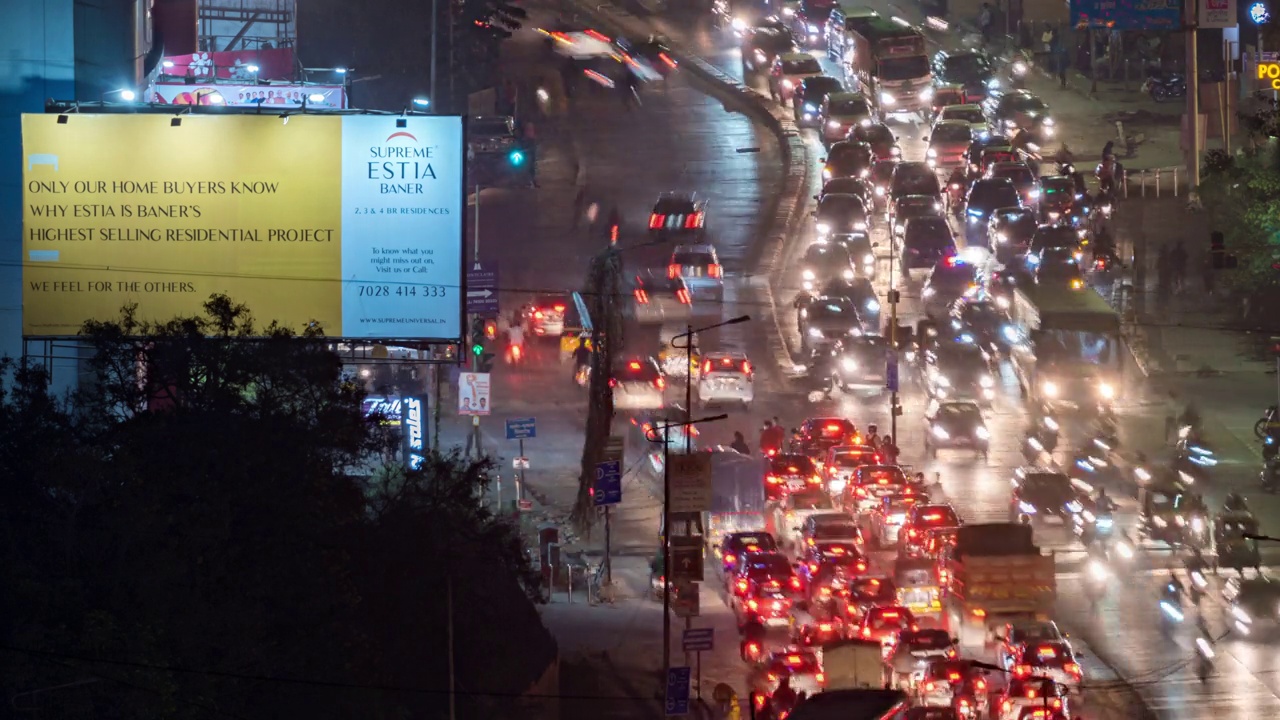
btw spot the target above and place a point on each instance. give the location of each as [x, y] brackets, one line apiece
[955, 189]
[1235, 503]
[784, 697]
[771, 438]
[515, 342]
[873, 435]
[889, 451]
[581, 356]
[1102, 503]
[740, 443]
[753, 636]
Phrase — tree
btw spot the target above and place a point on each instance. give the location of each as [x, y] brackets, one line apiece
[193, 533]
[1242, 196]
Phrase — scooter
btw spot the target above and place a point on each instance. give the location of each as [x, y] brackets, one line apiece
[1165, 87]
[515, 354]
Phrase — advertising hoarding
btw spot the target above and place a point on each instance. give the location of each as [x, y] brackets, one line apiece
[1220, 14]
[354, 222]
[1127, 14]
[270, 97]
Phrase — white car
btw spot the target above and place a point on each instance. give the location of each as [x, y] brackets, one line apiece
[1052, 660]
[658, 299]
[638, 384]
[801, 666]
[726, 377]
[700, 267]
[1028, 693]
[787, 72]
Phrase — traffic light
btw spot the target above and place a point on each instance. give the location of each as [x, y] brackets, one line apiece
[516, 157]
[491, 329]
[477, 338]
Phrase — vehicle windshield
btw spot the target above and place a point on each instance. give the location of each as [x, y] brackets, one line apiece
[1019, 223]
[876, 134]
[982, 313]
[904, 68]
[1026, 103]
[967, 67]
[815, 87]
[835, 531]
[914, 205]
[971, 114]
[844, 186]
[833, 310]
[1051, 485]
[1019, 175]
[960, 412]
[848, 152]
[915, 179]
[801, 66]
[810, 499]
[833, 256]
[674, 205]
[1025, 687]
[848, 106]
[951, 276]
[773, 39]
[1055, 237]
[638, 370]
[755, 542]
[697, 259]
[928, 231]
[852, 459]
[872, 589]
[795, 663]
[1047, 655]
[965, 362]
[1058, 186]
[991, 194]
[927, 639]
[841, 207]
[770, 565]
[937, 516]
[660, 284]
[952, 134]
[881, 475]
[881, 618]
[791, 465]
[882, 171]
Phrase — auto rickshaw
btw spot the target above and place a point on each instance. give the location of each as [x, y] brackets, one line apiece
[944, 95]
[917, 581]
[1233, 549]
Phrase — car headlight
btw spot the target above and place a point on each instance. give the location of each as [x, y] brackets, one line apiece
[987, 381]
[888, 99]
[931, 153]
[940, 433]
[739, 24]
[928, 292]
[1019, 68]
[808, 115]
[896, 151]
[813, 28]
[873, 305]
[810, 108]
[860, 226]
[788, 84]
[836, 487]
[848, 364]
[982, 433]
[1050, 388]
[1002, 238]
[847, 274]
[833, 124]
[1048, 132]
[926, 93]
[993, 84]
[1048, 122]
[808, 275]
[868, 259]
[1106, 391]
[879, 191]
[1033, 194]
[823, 228]
[788, 12]
[815, 333]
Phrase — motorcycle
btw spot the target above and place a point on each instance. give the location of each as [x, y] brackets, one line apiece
[955, 198]
[515, 354]
[1096, 578]
[1191, 457]
[1093, 527]
[1171, 612]
[1165, 87]
[1263, 426]
[1019, 68]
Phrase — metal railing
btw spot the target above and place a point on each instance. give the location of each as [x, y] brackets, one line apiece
[1154, 181]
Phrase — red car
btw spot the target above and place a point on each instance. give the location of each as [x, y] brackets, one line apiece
[884, 623]
[914, 535]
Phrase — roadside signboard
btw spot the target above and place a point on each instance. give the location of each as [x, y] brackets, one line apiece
[699, 639]
[686, 558]
[608, 487]
[690, 483]
[482, 290]
[522, 428]
[678, 690]
[473, 394]
[520, 463]
[614, 448]
[1127, 14]
[685, 600]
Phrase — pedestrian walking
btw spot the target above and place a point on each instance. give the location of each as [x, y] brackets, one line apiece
[1178, 264]
[1063, 60]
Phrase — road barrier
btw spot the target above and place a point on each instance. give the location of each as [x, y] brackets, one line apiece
[1153, 182]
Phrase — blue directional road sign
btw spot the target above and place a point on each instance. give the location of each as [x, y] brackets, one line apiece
[482, 290]
[608, 489]
[699, 639]
[891, 370]
[522, 428]
[678, 690]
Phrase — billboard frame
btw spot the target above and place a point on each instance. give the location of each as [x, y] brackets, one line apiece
[68, 107]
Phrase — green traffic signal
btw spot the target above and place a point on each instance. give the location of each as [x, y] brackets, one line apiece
[516, 157]
[477, 349]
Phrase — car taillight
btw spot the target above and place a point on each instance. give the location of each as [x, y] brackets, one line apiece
[820, 678]
[912, 533]
[795, 583]
[1074, 669]
[706, 366]
[659, 383]
[1057, 703]
[866, 632]
[964, 703]
[746, 367]
[558, 308]
[862, 566]
[613, 382]
[673, 270]
[667, 59]
[537, 314]
[683, 296]
[824, 627]
[772, 479]
[928, 687]
[742, 586]
[714, 270]
[951, 652]
[515, 352]
[815, 480]
[1006, 706]
[980, 684]
[752, 604]
[656, 221]
[771, 452]
[753, 648]
[773, 677]
[1021, 671]
[642, 297]
[729, 559]
[693, 220]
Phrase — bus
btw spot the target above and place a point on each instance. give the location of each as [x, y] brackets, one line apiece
[1069, 351]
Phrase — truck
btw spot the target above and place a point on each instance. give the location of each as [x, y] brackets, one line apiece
[995, 574]
[1070, 352]
[865, 704]
[854, 664]
[887, 61]
[737, 496]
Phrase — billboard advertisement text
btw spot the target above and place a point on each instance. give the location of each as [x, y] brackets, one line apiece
[1127, 14]
[354, 222]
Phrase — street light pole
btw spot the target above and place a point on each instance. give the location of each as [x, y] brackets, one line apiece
[1192, 21]
[893, 338]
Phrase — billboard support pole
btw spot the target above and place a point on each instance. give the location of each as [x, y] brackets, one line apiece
[1193, 97]
[435, 22]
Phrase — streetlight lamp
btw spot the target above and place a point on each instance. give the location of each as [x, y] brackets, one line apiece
[422, 102]
[652, 436]
[125, 94]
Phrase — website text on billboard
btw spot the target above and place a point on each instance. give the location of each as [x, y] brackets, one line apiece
[351, 222]
[1127, 14]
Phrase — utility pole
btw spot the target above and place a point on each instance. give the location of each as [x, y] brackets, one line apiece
[893, 340]
[475, 319]
[1191, 21]
[435, 22]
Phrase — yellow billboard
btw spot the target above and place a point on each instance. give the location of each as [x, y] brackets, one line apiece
[354, 222]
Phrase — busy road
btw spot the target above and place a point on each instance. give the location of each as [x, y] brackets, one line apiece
[725, 160]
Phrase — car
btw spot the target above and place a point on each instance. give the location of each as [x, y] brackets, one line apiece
[1019, 110]
[842, 460]
[982, 143]
[883, 623]
[659, 299]
[1030, 693]
[847, 159]
[726, 377]
[986, 196]
[788, 70]
[858, 186]
[971, 115]
[809, 21]
[945, 680]
[1053, 660]
[950, 278]
[809, 96]
[677, 214]
[638, 384]
[884, 523]
[743, 18]
[763, 45]
[1057, 267]
[1058, 237]
[861, 366]
[655, 51]
[764, 568]
[948, 141]
[861, 252]
[823, 321]
[926, 241]
[884, 144]
[970, 69]
[955, 424]
[1009, 231]
[840, 214]
[1058, 197]
[914, 178]
[841, 112]
[798, 505]
[921, 519]
[813, 623]
[699, 265]
[905, 207]
[544, 317]
[1012, 638]
[801, 666]
[790, 472]
[911, 652]
[880, 178]
[816, 435]
[863, 294]
[831, 529]
[770, 601]
[824, 261]
[871, 484]
[1253, 604]
[981, 318]
[1044, 495]
[959, 371]
[734, 545]
[1023, 178]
